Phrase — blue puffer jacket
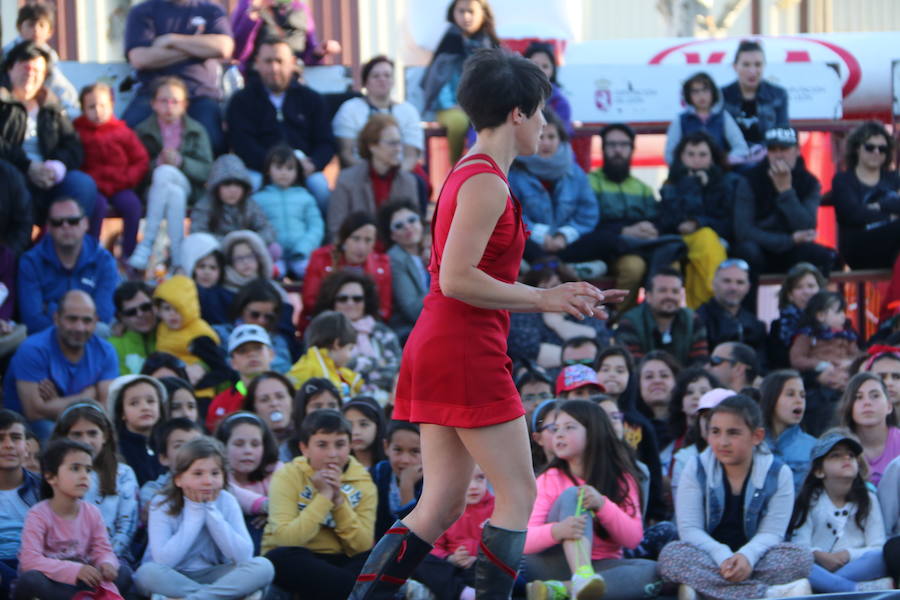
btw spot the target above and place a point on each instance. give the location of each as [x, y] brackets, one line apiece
[572, 209]
[296, 218]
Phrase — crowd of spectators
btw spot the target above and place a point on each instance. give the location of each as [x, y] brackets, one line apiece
[192, 431]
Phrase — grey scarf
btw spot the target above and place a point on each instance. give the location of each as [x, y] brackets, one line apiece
[548, 169]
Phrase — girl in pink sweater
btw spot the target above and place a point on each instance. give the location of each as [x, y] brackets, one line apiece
[65, 548]
[588, 508]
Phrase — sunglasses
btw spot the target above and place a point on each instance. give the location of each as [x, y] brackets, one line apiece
[718, 360]
[740, 263]
[348, 298]
[879, 148]
[410, 220]
[257, 315]
[72, 221]
[140, 308]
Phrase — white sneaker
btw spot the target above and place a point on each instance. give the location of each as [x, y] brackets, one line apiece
[140, 257]
[686, 592]
[875, 585]
[414, 590]
[793, 589]
[588, 588]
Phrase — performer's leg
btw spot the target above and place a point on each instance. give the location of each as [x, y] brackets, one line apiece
[447, 469]
[503, 452]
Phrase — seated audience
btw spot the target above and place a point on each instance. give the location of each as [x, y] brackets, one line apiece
[398, 478]
[276, 108]
[866, 411]
[290, 209]
[114, 158]
[66, 259]
[183, 40]
[181, 401]
[181, 156]
[198, 542]
[353, 249]
[330, 529]
[724, 548]
[329, 338]
[558, 205]
[401, 230]
[539, 337]
[137, 403]
[534, 386]
[34, 23]
[377, 78]
[48, 155]
[169, 436]
[725, 317]
[690, 385]
[366, 419]
[775, 228]
[543, 55]
[15, 212]
[848, 555]
[271, 396]
[203, 261]
[783, 403]
[377, 178]
[376, 354]
[656, 374]
[61, 365]
[246, 258]
[889, 498]
[704, 112]
[250, 354]
[471, 27]
[756, 104]
[20, 491]
[736, 365]
[577, 382]
[866, 200]
[884, 361]
[659, 323]
[801, 283]
[137, 325]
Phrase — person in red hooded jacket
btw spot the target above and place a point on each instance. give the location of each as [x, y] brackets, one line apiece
[114, 157]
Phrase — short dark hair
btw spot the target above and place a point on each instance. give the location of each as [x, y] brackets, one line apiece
[330, 327]
[61, 200]
[160, 360]
[98, 86]
[52, 458]
[745, 355]
[310, 388]
[323, 421]
[34, 12]
[128, 290]
[159, 439]
[257, 290]
[8, 418]
[351, 223]
[747, 46]
[281, 155]
[387, 212]
[705, 79]
[332, 284]
[859, 136]
[623, 127]
[554, 119]
[578, 341]
[494, 82]
[371, 64]
[663, 272]
[395, 426]
[695, 138]
[743, 407]
[24, 52]
[543, 48]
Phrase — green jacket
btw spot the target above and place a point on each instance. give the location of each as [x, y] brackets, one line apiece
[638, 332]
[195, 150]
[132, 348]
[622, 204]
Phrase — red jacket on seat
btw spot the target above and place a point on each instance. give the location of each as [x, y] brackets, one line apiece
[113, 155]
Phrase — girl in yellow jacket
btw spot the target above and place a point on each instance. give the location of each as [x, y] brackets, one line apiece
[330, 338]
[321, 512]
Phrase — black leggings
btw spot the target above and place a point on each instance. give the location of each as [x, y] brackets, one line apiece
[315, 576]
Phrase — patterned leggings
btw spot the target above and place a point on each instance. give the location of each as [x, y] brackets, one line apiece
[681, 562]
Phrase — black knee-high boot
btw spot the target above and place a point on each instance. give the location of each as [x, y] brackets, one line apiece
[498, 561]
[390, 563]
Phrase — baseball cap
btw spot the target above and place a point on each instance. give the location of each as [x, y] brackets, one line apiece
[828, 441]
[247, 333]
[576, 376]
[713, 397]
[781, 137]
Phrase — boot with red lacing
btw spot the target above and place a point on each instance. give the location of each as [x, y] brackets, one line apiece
[498, 561]
[390, 563]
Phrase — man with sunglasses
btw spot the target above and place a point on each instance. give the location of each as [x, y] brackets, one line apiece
[725, 317]
[734, 364]
[776, 228]
[137, 319]
[65, 259]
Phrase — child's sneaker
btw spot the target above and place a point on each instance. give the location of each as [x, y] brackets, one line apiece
[875, 585]
[588, 587]
[793, 589]
[546, 590]
[140, 257]
[414, 590]
[686, 592]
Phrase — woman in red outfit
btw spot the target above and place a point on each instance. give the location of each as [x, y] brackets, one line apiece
[354, 249]
[455, 378]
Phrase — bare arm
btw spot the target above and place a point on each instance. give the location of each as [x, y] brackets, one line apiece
[207, 45]
[36, 407]
[148, 58]
[480, 203]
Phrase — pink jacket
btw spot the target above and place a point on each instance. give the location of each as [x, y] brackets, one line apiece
[623, 523]
[59, 547]
[467, 529]
[252, 496]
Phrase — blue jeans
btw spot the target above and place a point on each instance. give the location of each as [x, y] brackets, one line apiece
[317, 185]
[867, 567]
[9, 571]
[201, 108]
[76, 185]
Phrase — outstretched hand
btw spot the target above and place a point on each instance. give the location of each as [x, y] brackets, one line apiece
[579, 299]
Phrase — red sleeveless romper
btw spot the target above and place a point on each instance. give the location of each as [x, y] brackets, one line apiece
[455, 370]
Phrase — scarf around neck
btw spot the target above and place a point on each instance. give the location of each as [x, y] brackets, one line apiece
[550, 168]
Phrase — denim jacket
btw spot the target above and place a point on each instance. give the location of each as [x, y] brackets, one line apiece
[793, 447]
[771, 104]
[768, 502]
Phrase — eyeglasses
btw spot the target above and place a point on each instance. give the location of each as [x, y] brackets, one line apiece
[410, 220]
[879, 148]
[144, 307]
[624, 145]
[740, 263]
[537, 397]
[257, 315]
[71, 221]
[348, 298]
[243, 258]
[718, 360]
